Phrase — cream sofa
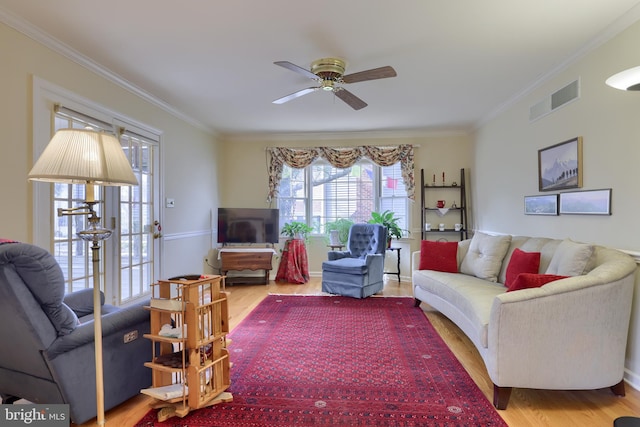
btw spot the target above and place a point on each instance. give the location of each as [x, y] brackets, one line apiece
[569, 334]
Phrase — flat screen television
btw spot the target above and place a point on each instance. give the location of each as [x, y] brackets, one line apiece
[248, 225]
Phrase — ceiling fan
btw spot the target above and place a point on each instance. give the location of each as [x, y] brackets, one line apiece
[329, 73]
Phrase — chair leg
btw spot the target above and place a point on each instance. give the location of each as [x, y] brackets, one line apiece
[501, 396]
[8, 399]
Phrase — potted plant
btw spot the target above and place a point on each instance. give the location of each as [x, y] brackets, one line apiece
[339, 229]
[296, 230]
[390, 221]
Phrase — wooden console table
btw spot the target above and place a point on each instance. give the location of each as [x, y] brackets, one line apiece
[239, 259]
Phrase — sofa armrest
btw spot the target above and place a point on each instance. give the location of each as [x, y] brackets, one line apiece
[375, 264]
[334, 255]
[117, 322]
[81, 302]
[568, 334]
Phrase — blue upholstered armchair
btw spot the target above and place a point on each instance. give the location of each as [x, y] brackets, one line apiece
[48, 354]
[358, 271]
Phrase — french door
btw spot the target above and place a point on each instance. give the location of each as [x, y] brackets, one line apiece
[129, 259]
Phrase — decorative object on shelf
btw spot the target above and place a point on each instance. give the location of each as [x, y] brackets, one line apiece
[427, 226]
[590, 202]
[338, 231]
[441, 227]
[296, 230]
[390, 222]
[560, 165]
[457, 227]
[89, 157]
[440, 203]
[443, 211]
[541, 205]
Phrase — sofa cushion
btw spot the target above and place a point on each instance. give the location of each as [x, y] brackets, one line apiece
[521, 262]
[571, 259]
[438, 256]
[485, 256]
[472, 298]
[531, 280]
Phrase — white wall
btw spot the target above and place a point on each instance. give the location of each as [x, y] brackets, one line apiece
[505, 167]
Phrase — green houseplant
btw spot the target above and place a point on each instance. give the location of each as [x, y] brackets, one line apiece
[296, 230]
[342, 226]
[390, 221]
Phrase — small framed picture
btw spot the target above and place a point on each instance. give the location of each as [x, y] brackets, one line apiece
[560, 166]
[590, 202]
[541, 205]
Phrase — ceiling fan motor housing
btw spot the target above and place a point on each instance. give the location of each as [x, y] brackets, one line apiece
[328, 68]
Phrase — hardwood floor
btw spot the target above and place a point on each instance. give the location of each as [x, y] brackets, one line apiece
[526, 408]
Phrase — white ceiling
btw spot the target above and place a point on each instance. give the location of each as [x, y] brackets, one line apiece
[458, 61]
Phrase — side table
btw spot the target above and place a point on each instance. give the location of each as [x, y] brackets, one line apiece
[294, 265]
[397, 272]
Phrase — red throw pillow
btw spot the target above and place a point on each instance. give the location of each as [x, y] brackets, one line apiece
[439, 256]
[521, 262]
[528, 280]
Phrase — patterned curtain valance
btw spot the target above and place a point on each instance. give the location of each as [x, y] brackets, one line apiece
[341, 158]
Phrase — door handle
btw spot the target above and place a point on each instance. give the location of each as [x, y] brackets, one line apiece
[158, 229]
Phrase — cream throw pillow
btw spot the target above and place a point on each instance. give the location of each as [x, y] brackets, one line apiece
[485, 255]
[571, 259]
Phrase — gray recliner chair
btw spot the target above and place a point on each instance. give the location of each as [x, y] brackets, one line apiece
[48, 339]
[358, 271]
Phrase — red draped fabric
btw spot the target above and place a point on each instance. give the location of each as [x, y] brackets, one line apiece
[294, 265]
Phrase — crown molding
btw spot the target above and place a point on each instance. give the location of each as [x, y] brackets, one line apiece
[33, 32]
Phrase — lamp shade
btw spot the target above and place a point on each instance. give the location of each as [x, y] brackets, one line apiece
[81, 156]
[625, 80]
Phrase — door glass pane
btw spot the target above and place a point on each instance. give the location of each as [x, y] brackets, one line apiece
[136, 221]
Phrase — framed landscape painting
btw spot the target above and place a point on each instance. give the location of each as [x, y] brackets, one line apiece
[541, 205]
[590, 202]
[560, 166]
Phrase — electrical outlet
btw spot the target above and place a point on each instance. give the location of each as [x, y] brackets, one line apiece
[130, 336]
[170, 203]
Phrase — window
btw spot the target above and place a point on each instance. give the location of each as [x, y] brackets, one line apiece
[321, 193]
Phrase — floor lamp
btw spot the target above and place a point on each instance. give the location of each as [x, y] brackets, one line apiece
[85, 156]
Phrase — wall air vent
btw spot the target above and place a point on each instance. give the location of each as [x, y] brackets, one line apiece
[557, 99]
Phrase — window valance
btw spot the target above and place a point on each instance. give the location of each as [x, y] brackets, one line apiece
[299, 158]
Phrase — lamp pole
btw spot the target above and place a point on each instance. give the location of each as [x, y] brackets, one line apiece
[95, 235]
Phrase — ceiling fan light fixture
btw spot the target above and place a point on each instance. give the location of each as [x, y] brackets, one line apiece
[626, 80]
[328, 85]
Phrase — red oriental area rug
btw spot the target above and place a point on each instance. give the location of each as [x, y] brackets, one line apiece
[338, 361]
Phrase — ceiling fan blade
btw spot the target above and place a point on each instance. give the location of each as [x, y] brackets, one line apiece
[293, 67]
[373, 74]
[351, 100]
[294, 95]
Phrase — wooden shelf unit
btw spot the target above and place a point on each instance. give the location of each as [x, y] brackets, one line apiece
[431, 193]
[197, 358]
